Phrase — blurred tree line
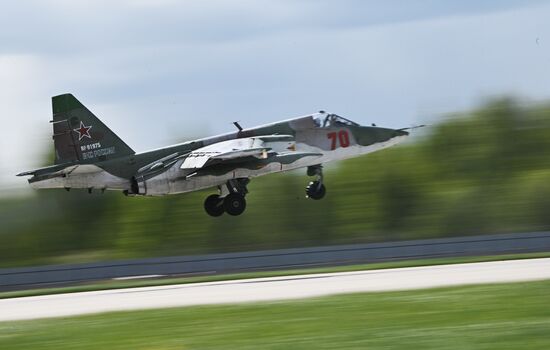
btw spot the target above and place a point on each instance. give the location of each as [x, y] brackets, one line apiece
[485, 171]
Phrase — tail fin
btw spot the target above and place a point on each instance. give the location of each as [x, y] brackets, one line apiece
[79, 136]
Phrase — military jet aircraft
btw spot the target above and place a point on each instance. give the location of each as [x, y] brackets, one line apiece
[88, 155]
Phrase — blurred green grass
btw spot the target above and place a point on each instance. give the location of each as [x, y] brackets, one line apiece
[501, 316]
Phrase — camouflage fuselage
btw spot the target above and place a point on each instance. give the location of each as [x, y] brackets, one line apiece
[302, 142]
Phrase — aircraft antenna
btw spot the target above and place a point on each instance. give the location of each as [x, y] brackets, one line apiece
[238, 126]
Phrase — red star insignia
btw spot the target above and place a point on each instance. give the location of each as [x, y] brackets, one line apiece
[83, 131]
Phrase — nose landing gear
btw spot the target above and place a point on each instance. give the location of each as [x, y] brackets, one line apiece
[315, 189]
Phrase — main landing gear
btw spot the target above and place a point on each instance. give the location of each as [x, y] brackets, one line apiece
[316, 189]
[230, 200]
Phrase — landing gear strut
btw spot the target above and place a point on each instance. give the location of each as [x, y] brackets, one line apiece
[230, 200]
[315, 189]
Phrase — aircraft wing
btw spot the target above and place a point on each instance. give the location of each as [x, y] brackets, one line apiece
[199, 158]
[259, 147]
[255, 152]
[225, 150]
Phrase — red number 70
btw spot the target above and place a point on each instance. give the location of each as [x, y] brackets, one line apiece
[342, 137]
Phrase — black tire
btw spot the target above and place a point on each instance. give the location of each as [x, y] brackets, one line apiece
[316, 190]
[234, 204]
[213, 205]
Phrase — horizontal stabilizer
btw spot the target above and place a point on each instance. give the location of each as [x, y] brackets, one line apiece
[61, 169]
[27, 173]
[81, 169]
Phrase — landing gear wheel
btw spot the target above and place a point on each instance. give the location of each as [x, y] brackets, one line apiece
[234, 204]
[315, 190]
[213, 205]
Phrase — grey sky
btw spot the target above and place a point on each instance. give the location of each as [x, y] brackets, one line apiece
[157, 71]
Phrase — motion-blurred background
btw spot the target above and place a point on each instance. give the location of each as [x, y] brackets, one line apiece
[159, 72]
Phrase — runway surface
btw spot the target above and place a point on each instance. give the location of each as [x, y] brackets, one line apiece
[273, 288]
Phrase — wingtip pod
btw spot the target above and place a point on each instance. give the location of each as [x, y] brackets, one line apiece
[65, 103]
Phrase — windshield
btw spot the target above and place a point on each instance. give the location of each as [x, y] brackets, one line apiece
[336, 120]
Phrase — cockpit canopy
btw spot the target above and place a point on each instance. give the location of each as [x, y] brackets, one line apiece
[333, 120]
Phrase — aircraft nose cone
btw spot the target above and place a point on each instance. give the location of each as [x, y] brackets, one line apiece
[367, 135]
[400, 133]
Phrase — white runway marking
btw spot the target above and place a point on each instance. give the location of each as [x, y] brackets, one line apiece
[274, 288]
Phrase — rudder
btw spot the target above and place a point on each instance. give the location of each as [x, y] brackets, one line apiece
[79, 136]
